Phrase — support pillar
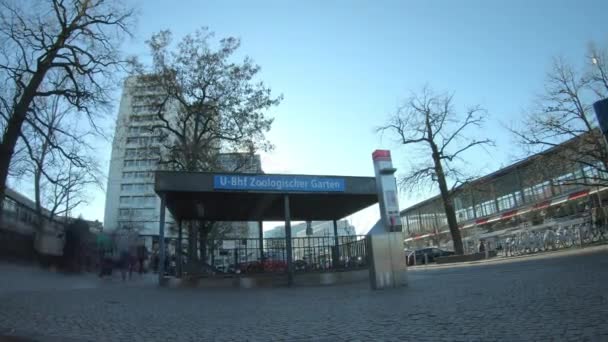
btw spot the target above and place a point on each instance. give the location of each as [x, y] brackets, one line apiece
[288, 240]
[336, 254]
[179, 249]
[520, 184]
[161, 242]
[261, 241]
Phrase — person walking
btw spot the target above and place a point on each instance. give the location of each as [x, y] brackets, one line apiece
[482, 246]
[104, 247]
[123, 246]
[141, 257]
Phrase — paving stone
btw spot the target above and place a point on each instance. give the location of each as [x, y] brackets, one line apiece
[559, 298]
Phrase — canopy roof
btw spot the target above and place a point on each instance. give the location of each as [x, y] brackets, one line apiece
[260, 197]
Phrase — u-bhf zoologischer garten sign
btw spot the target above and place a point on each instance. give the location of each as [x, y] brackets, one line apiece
[278, 183]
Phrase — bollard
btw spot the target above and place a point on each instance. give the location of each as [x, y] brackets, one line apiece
[426, 259]
[414, 257]
[487, 252]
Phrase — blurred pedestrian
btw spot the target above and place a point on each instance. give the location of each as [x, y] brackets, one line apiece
[482, 246]
[124, 245]
[104, 247]
[142, 253]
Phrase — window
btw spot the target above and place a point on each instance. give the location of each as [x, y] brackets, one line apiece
[486, 208]
[138, 187]
[142, 152]
[139, 129]
[465, 214]
[137, 175]
[136, 212]
[142, 118]
[506, 202]
[517, 195]
[538, 191]
[140, 163]
[143, 140]
[412, 220]
[10, 205]
[565, 183]
[130, 152]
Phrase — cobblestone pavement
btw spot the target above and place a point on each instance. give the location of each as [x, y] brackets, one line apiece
[564, 297]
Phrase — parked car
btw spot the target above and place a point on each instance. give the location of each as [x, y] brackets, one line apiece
[431, 253]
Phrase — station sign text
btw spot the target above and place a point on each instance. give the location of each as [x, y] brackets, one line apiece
[278, 183]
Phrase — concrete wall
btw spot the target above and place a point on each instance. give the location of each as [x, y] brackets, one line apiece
[274, 280]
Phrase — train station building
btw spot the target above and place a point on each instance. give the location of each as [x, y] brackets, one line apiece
[557, 185]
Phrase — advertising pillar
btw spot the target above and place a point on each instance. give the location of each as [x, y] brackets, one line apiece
[386, 185]
[387, 257]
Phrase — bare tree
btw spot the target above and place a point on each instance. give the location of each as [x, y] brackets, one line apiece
[59, 181]
[67, 49]
[63, 194]
[431, 129]
[210, 111]
[564, 113]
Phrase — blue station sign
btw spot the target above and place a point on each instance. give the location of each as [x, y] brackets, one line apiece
[278, 183]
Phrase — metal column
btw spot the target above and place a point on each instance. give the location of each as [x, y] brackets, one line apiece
[336, 253]
[261, 240]
[520, 184]
[495, 196]
[474, 204]
[288, 240]
[161, 242]
[179, 248]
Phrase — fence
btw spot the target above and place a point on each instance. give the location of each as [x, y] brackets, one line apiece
[309, 254]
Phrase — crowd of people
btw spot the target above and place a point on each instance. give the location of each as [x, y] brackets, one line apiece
[124, 251]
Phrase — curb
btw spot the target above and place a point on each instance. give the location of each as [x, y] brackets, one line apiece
[503, 259]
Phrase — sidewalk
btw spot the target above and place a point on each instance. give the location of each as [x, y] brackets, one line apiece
[510, 259]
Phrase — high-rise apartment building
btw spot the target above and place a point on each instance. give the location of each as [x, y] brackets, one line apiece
[131, 202]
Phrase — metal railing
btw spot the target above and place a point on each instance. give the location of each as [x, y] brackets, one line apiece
[309, 254]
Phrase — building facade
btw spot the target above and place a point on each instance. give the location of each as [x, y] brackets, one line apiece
[131, 202]
[547, 186]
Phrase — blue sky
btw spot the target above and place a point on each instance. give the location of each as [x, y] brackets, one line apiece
[344, 66]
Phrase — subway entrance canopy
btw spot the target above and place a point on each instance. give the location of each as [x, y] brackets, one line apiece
[261, 197]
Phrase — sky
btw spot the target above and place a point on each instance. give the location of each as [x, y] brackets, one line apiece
[343, 67]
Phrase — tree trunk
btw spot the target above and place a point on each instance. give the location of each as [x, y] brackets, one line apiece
[18, 115]
[448, 205]
[37, 200]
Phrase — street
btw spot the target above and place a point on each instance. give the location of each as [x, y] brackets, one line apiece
[561, 297]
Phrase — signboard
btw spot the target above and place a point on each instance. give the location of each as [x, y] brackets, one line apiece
[278, 183]
[601, 111]
[387, 190]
